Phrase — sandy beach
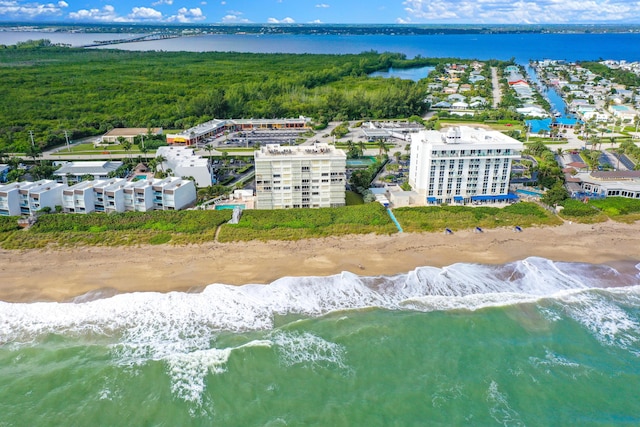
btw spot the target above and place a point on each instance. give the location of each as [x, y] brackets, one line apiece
[61, 275]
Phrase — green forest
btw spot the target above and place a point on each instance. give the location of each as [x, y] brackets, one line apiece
[49, 89]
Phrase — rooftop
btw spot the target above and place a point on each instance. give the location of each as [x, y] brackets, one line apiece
[465, 136]
[88, 168]
[318, 149]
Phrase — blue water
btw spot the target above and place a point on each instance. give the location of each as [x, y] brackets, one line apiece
[414, 74]
[552, 95]
[522, 47]
[529, 193]
[222, 207]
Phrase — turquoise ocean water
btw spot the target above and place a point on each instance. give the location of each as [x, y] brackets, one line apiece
[530, 343]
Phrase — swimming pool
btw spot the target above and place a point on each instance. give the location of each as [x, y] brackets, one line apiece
[139, 177]
[362, 162]
[221, 207]
[529, 193]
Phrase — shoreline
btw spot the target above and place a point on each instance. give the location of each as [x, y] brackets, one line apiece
[63, 274]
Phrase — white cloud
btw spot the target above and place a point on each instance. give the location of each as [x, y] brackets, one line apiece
[323, 5]
[234, 17]
[521, 11]
[145, 14]
[18, 9]
[159, 2]
[315, 21]
[106, 14]
[286, 20]
[185, 15]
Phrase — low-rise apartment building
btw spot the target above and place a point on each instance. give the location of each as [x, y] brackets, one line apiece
[184, 162]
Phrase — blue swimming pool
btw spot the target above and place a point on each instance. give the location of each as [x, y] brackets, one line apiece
[529, 193]
[221, 207]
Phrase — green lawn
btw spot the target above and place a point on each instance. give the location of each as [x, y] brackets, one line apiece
[619, 209]
[90, 149]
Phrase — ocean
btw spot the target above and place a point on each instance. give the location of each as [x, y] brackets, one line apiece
[529, 343]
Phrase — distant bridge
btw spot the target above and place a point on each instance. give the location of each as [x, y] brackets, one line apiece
[145, 38]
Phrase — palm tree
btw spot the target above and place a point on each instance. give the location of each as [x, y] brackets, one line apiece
[209, 148]
[127, 147]
[152, 164]
[382, 147]
[160, 160]
[34, 152]
[619, 152]
[594, 159]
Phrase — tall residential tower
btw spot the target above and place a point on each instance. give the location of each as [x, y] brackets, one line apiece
[310, 176]
[462, 165]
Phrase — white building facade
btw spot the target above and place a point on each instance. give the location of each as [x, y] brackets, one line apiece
[312, 176]
[173, 194]
[112, 195]
[184, 162]
[462, 165]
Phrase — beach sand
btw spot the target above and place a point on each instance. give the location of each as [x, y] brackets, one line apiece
[61, 275]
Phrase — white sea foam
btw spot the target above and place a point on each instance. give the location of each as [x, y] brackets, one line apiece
[500, 410]
[295, 348]
[154, 325]
[553, 359]
[188, 371]
[606, 321]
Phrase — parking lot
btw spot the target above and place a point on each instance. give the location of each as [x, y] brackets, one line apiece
[251, 138]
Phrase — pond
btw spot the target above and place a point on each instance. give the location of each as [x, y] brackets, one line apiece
[414, 74]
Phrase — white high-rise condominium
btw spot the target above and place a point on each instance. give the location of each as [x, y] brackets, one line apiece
[462, 164]
[310, 176]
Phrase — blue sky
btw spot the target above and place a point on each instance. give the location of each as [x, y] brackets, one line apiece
[326, 11]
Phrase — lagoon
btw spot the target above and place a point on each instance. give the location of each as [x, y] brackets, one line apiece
[522, 47]
[414, 74]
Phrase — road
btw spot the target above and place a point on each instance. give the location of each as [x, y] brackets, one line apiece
[497, 93]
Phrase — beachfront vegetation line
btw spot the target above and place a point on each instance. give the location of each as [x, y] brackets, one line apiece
[523, 214]
[120, 229]
[193, 227]
[295, 224]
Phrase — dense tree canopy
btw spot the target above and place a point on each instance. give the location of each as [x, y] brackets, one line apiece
[48, 89]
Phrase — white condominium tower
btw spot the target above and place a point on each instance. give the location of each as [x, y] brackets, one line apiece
[309, 176]
[462, 165]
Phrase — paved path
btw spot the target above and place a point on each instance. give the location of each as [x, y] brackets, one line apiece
[497, 93]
